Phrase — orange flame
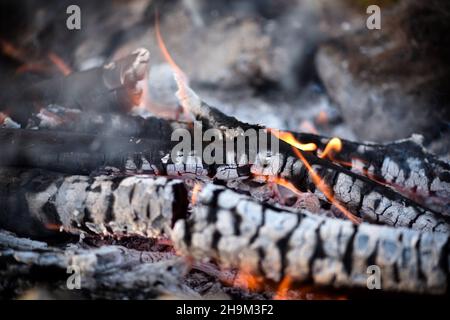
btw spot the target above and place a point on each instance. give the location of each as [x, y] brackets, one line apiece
[320, 184]
[180, 76]
[324, 188]
[282, 182]
[283, 288]
[334, 145]
[165, 52]
[59, 63]
[195, 191]
[289, 138]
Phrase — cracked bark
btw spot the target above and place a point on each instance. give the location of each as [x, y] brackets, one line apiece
[274, 243]
[38, 203]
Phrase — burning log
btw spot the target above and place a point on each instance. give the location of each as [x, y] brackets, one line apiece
[362, 196]
[112, 87]
[277, 244]
[37, 203]
[404, 165]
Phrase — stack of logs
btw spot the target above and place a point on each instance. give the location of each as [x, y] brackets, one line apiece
[82, 165]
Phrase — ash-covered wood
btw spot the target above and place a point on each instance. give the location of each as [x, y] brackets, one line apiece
[112, 87]
[105, 272]
[263, 240]
[404, 165]
[39, 203]
[371, 201]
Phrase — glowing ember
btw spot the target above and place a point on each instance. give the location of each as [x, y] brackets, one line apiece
[10, 50]
[136, 97]
[60, 64]
[289, 138]
[307, 126]
[195, 191]
[322, 118]
[31, 67]
[283, 288]
[333, 146]
[53, 227]
[246, 280]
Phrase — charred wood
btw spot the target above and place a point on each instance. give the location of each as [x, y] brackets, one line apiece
[112, 87]
[81, 153]
[266, 241]
[39, 204]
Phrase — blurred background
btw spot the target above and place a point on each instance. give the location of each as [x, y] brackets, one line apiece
[305, 65]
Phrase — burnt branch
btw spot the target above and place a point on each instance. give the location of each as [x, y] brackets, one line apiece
[96, 123]
[81, 153]
[38, 203]
[112, 87]
[266, 241]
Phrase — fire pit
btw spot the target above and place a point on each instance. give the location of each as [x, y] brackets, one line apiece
[180, 149]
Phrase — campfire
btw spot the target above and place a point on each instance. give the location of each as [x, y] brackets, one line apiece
[129, 195]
